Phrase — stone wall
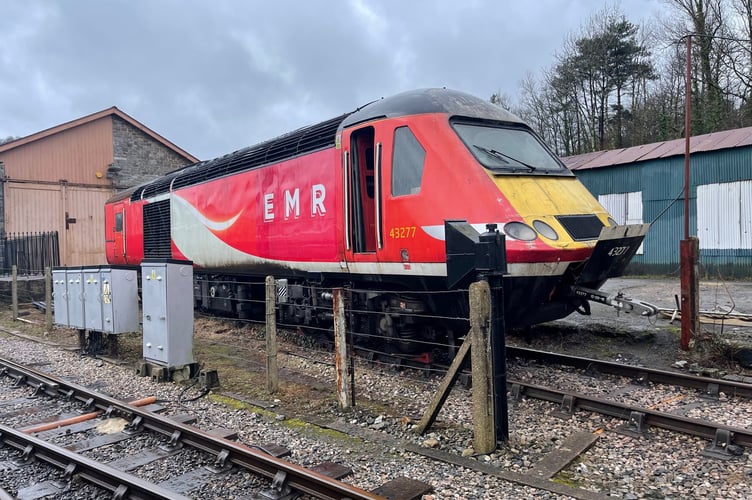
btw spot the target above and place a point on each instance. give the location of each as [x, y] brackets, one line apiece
[138, 157]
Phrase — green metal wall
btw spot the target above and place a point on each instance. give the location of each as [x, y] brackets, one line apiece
[661, 182]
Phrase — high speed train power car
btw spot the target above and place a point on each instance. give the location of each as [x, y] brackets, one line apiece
[361, 201]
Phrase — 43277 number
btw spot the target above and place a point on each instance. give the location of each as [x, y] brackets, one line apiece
[402, 232]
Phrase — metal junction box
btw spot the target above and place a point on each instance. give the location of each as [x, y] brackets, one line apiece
[75, 290]
[119, 298]
[167, 298]
[92, 298]
[60, 295]
[103, 299]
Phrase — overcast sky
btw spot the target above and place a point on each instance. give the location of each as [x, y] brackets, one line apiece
[215, 76]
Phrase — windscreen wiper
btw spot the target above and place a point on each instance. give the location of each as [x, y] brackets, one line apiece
[503, 157]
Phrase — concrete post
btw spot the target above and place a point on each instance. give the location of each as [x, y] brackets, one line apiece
[272, 369]
[341, 351]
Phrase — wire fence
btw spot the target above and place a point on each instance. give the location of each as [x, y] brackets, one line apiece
[393, 329]
[385, 327]
[340, 329]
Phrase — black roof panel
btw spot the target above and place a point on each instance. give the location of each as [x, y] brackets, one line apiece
[423, 101]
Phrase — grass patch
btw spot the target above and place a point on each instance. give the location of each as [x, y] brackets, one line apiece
[313, 430]
[567, 479]
[296, 424]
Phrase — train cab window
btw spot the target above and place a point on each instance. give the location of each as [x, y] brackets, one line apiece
[407, 163]
[119, 222]
[507, 149]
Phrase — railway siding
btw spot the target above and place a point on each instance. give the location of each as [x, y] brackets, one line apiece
[390, 400]
[319, 481]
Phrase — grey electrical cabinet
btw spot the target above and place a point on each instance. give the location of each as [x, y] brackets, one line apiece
[60, 295]
[75, 289]
[92, 298]
[167, 304]
[119, 299]
[102, 299]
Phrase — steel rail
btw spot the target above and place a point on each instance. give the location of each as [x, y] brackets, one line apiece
[691, 426]
[297, 477]
[38, 381]
[122, 484]
[639, 373]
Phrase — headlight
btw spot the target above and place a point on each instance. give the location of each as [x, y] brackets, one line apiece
[520, 231]
[545, 230]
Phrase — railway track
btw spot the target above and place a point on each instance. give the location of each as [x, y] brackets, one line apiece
[68, 410]
[723, 441]
[726, 440]
[552, 456]
[711, 387]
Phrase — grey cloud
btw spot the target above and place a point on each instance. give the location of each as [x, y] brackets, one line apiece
[217, 76]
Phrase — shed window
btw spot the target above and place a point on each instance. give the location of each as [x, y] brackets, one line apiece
[724, 215]
[407, 163]
[625, 208]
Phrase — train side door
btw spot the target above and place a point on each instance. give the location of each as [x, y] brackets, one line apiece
[115, 233]
[362, 195]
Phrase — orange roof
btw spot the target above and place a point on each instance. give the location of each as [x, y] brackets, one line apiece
[698, 143]
[90, 118]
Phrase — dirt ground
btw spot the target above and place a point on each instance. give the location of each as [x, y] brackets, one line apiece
[655, 341]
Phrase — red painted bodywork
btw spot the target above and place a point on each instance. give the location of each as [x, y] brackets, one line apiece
[277, 217]
[449, 190]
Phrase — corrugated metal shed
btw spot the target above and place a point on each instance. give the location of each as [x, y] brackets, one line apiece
[721, 162]
[699, 143]
[58, 179]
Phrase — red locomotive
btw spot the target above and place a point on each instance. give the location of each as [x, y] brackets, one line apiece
[362, 200]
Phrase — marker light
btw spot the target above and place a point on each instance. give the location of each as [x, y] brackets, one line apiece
[520, 231]
[545, 230]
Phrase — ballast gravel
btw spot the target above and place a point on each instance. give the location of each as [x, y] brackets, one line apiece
[663, 465]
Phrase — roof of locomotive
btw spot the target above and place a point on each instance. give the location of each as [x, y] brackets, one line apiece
[321, 136]
[415, 102]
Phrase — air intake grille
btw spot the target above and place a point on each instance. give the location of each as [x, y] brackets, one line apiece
[581, 227]
[157, 230]
[305, 140]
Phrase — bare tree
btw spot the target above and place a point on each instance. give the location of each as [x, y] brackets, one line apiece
[705, 21]
[616, 84]
[8, 139]
[739, 58]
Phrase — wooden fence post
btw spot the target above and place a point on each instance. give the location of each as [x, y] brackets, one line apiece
[48, 299]
[341, 351]
[272, 369]
[484, 432]
[445, 387]
[14, 291]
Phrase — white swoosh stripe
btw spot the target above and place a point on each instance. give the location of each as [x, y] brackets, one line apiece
[213, 225]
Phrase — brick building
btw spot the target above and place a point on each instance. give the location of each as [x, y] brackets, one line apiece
[57, 180]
